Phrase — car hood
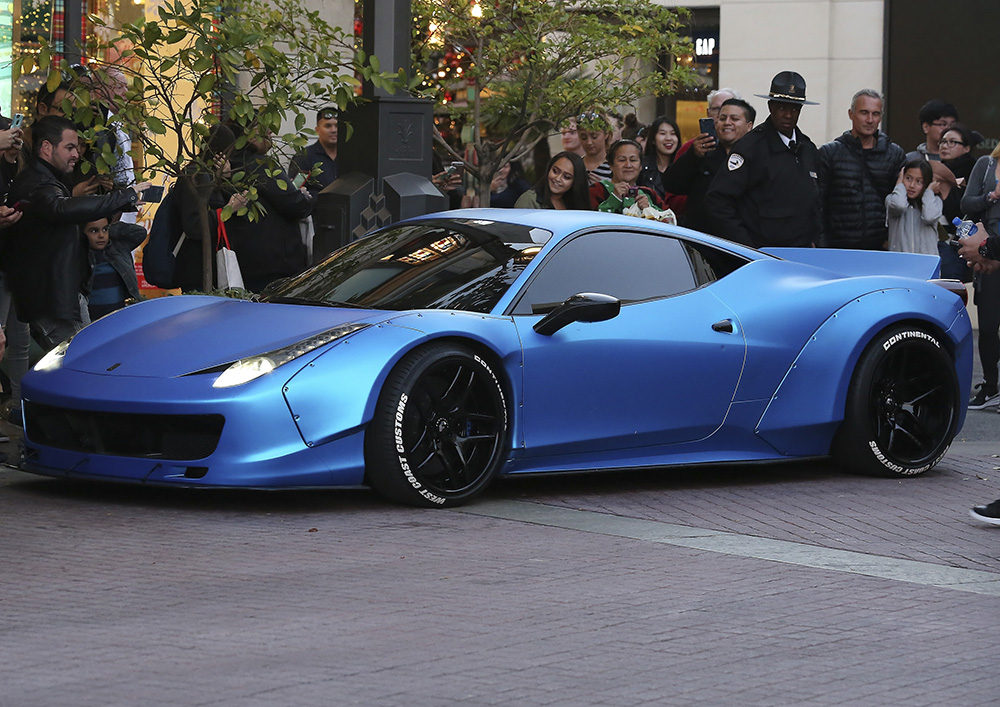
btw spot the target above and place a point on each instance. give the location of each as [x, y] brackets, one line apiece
[172, 336]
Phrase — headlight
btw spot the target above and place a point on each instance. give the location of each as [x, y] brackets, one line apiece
[53, 359]
[253, 367]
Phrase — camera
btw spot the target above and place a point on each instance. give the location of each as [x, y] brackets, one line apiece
[632, 192]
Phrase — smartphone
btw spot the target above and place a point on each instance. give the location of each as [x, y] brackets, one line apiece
[298, 180]
[707, 125]
[153, 195]
[17, 122]
[456, 168]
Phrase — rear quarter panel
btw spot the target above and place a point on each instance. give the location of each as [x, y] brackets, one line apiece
[806, 328]
[808, 405]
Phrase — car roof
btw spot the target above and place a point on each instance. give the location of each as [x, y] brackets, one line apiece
[567, 222]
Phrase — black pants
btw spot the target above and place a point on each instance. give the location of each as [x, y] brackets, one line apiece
[988, 310]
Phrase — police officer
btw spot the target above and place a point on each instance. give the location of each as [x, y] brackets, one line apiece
[767, 194]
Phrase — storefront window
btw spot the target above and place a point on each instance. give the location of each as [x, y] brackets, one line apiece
[688, 106]
[24, 24]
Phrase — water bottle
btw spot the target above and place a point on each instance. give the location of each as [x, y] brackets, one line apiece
[964, 229]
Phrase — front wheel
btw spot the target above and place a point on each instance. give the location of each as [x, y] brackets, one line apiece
[902, 406]
[440, 428]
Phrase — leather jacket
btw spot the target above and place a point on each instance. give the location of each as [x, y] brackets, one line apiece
[45, 254]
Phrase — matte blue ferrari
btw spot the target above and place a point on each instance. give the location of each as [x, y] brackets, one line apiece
[437, 353]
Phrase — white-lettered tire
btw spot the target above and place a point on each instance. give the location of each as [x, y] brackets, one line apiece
[440, 428]
[902, 406]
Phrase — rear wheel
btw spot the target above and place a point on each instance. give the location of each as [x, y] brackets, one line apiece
[902, 406]
[439, 434]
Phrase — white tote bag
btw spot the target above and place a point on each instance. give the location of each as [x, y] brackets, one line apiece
[228, 265]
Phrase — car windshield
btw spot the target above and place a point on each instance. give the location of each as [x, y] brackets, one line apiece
[464, 264]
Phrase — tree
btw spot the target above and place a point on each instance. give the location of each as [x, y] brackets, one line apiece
[169, 81]
[531, 65]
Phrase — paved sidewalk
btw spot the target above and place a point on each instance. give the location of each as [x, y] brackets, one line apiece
[114, 595]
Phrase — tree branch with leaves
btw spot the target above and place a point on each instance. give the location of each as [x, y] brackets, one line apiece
[534, 64]
[259, 64]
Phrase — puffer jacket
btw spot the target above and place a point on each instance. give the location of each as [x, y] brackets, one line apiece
[854, 197]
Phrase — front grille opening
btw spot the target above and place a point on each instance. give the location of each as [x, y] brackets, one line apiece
[195, 472]
[180, 437]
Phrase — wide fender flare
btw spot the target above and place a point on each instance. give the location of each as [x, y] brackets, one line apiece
[336, 393]
[808, 405]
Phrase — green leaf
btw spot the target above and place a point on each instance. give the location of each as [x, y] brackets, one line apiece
[156, 125]
[205, 85]
[202, 64]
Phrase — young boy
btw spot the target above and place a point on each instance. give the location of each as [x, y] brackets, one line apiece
[113, 277]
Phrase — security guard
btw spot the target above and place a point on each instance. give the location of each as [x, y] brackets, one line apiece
[767, 193]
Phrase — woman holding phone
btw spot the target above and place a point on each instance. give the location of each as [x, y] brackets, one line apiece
[664, 139]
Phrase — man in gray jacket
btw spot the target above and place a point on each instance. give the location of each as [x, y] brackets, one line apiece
[856, 172]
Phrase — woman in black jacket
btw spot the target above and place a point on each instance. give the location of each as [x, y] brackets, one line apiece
[956, 145]
[270, 247]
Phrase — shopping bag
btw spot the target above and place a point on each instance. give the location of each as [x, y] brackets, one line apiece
[308, 233]
[227, 264]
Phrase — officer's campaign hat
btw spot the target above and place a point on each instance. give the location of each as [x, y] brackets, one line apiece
[788, 87]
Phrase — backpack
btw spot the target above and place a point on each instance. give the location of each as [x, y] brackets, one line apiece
[166, 236]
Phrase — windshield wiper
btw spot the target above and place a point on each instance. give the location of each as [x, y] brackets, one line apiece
[317, 302]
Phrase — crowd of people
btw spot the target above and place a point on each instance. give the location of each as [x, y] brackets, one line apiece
[759, 183]
[67, 235]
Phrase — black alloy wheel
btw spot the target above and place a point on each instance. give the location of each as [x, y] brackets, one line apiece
[902, 407]
[440, 429]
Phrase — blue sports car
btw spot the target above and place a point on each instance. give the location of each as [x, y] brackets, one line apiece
[439, 352]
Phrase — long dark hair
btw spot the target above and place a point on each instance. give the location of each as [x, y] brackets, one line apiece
[651, 136]
[919, 163]
[577, 197]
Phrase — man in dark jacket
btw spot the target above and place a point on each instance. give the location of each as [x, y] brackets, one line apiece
[270, 247]
[45, 255]
[767, 194]
[692, 173]
[856, 172]
[322, 152]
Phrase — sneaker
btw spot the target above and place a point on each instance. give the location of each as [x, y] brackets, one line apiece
[987, 514]
[984, 397]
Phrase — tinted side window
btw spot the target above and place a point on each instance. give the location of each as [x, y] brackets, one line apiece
[711, 264]
[629, 266]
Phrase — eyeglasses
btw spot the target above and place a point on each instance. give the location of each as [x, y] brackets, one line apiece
[950, 143]
[327, 115]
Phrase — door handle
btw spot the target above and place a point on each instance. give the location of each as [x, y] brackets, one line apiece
[725, 326]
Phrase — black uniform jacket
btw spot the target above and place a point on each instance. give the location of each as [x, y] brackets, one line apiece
[767, 194]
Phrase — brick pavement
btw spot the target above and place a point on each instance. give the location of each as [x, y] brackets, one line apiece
[123, 596]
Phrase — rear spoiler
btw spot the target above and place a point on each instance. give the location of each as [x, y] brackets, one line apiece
[860, 263]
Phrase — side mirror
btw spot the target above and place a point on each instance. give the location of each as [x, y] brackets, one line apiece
[583, 307]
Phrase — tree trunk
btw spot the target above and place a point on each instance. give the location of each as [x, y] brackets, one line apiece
[207, 243]
[202, 193]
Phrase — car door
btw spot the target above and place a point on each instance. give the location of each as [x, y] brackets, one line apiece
[663, 371]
